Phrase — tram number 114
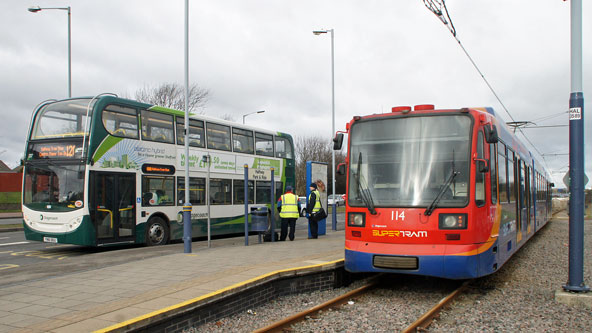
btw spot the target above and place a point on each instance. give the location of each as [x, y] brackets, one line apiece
[396, 215]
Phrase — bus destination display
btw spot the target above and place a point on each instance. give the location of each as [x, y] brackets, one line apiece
[56, 150]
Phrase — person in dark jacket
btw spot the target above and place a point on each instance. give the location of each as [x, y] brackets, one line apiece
[289, 208]
[313, 206]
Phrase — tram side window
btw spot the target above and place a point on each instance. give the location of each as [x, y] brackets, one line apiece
[493, 170]
[503, 178]
[197, 191]
[541, 187]
[158, 191]
[537, 179]
[157, 127]
[220, 191]
[264, 144]
[196, 132]
[121, 121]
[218, 136]
[511, 174]
[479, 176]
[242, 141]
[239, 191]
[283, 148]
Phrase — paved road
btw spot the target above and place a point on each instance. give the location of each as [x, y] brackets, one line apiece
[11, 221]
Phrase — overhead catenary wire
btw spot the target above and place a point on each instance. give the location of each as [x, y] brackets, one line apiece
[438, 7]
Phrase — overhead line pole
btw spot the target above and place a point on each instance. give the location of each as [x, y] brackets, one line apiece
[187, 205]
[575, 282]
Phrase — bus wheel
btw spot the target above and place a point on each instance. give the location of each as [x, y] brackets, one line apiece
[157, 232]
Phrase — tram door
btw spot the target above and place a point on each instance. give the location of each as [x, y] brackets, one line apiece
[522, 210]
[528, 199]
[113, 205]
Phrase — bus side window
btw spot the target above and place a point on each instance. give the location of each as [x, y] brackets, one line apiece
[220, 191]
[264, 144]
[218, 136]
[242, 141]
[120, 121]
[196, 132]
[157, 127]
[158, 191]
[283, 148]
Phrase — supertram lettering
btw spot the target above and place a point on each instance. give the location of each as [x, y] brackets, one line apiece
[400, 233]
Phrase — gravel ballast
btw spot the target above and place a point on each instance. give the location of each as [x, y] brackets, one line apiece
[519, 297]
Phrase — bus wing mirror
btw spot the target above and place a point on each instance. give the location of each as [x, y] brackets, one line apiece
[490, 132]
[482, 165]
[338, 141]
[341, 169]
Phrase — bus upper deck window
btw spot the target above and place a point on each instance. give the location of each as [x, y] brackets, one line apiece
[264, 144]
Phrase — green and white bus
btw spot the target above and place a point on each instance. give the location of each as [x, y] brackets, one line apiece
[105, 170]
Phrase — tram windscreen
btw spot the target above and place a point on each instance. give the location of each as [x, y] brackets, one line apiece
[407, 161]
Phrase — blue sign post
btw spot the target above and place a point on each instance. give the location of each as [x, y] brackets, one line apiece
[246, 204]
[271, 208]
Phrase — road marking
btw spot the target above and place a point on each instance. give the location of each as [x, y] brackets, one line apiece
[15, 243]
[4, 237]
[5, 252]
[55, 246]
[7, 266]
[43, 255]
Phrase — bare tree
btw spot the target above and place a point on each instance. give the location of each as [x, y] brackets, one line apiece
[319, 149]
[227, 116]
[172, 95]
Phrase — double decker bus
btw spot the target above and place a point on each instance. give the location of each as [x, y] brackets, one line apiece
[448, 193]
[105, 170]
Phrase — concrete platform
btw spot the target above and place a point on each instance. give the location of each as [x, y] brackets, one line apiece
[578, 299]
[119, 297]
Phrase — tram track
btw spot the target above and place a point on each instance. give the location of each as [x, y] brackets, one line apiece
[363, 297]
[337, 301]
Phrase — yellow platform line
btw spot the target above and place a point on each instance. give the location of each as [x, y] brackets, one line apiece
[213, 293]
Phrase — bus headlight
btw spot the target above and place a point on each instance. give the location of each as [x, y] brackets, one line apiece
[356, 219]
[75, 222]
[453, 221]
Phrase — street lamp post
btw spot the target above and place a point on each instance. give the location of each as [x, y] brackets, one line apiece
[319, 32]
[245, 115]
[38, 9]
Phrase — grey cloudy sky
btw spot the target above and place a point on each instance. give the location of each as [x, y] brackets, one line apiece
[261, 55]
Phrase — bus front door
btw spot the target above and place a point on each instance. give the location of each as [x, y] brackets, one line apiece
[114, 204]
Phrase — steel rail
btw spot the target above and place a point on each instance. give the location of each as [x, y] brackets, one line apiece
[426, 319]
[278, 325]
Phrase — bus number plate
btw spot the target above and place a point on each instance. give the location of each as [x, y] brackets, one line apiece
[50, 239]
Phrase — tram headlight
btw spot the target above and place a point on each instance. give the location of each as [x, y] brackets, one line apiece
[356, 219]
[453, 221]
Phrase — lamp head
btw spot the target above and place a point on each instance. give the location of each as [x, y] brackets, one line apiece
[34, 9]
[318, 32]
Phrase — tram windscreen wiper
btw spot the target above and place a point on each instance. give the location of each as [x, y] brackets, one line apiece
[444, 186]
[363, 188]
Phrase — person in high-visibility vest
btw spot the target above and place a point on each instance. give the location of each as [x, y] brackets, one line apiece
[313, 206]
[289, 208]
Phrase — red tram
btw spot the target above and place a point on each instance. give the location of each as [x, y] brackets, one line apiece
[446, 193]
